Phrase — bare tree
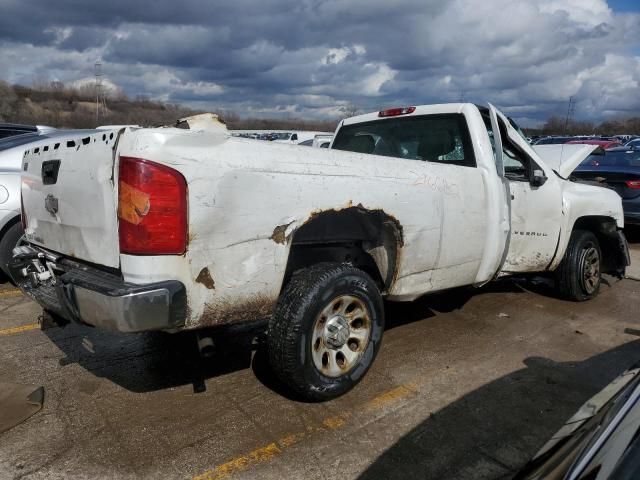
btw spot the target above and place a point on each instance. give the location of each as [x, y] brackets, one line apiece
[7, 100]
[350, 110]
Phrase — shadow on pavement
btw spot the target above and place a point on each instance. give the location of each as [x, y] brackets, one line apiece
[632, 232]
[145, 362]
[493, 431]
[154, 361]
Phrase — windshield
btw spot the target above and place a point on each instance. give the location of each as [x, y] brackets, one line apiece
[518, 129]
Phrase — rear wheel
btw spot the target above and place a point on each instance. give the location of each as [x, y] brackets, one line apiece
[578, 276]
[8, 242]
[326, 330]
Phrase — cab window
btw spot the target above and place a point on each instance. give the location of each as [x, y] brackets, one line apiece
[442, 138]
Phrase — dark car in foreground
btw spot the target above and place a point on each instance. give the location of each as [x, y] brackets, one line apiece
[618, 169]
[601, 441]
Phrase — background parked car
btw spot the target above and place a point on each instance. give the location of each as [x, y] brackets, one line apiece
[618, 169]
[606, 144]
[12, 129]
[552, 140]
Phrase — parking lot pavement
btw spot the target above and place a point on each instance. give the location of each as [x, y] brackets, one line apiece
[468, 384]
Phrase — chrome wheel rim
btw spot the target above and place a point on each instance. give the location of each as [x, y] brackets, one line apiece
[590, 263]
[341, 334]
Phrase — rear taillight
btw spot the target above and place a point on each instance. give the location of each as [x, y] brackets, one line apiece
[634, 184]
[152, 208]
[394, 112]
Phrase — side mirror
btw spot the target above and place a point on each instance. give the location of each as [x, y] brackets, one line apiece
[538, 179]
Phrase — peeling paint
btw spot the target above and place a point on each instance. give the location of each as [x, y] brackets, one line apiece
[204, 277]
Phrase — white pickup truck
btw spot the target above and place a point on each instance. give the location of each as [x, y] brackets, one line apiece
[168, 229]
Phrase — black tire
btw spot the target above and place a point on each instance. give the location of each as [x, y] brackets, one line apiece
[296, 321]
[7, 243]
[579, 275]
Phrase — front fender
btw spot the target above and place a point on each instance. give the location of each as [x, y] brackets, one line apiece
[580, 202]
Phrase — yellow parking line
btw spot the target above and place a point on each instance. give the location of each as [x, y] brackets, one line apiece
[391, 396]
[20, 329]
[268, 452]
[10, 293]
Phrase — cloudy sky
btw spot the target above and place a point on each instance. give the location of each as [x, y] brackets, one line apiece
[314, 58]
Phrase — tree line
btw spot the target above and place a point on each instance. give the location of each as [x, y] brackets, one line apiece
[560, 126]
[64, 106]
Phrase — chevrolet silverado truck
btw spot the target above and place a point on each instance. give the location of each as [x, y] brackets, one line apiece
[171, 229]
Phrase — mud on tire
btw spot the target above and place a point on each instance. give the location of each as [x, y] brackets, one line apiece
[578, 276]
[326, 330]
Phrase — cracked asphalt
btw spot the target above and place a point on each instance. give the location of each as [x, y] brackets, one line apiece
[468, 384]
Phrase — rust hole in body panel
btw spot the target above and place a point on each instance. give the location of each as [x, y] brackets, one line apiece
[279, 233]
[369, 238]
[204, 277]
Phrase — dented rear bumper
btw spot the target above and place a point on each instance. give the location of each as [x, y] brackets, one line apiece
[85, 294]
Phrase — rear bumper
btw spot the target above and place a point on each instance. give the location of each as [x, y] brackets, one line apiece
[85, 294]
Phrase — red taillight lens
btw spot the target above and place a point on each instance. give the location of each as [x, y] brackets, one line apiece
[152, 208]
[634, 184]
[394, 112]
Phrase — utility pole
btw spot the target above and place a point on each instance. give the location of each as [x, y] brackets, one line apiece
[570, 110]
[101, 102]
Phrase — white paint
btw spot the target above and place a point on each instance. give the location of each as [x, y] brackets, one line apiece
[456, 220]
[85, 225]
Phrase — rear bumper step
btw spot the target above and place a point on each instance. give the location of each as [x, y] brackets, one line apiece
[84, 294]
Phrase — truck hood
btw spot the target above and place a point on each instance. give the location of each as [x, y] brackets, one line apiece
[564, 158]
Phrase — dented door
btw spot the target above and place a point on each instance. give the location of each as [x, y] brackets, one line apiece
[536, 210]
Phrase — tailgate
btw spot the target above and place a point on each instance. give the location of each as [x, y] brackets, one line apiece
[69, 197]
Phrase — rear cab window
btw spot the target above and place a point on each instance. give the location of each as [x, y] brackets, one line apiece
[442, 138]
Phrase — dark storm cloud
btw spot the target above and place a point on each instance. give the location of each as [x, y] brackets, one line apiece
[315, 57]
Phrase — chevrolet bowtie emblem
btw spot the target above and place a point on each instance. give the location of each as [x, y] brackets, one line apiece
[51, 204]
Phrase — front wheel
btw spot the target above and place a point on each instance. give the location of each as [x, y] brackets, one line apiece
[578, 276]
[326, 330]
